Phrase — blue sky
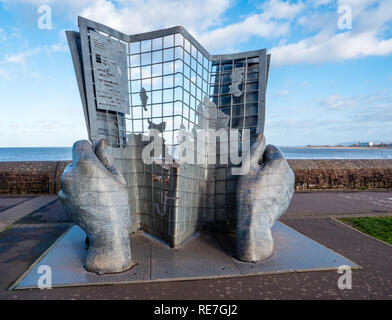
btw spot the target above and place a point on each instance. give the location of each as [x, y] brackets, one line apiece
[327, 84]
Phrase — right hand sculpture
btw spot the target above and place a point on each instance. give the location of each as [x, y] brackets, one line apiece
[263, 195]
[95, 196]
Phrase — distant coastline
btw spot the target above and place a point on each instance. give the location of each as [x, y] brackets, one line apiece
[343, 147]
[308, 152]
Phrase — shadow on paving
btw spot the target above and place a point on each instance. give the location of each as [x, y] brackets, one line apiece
[20, 247]
[52, 213]
[7, 202]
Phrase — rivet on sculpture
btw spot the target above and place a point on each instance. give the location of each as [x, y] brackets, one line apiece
[95, 196]
[166, 81]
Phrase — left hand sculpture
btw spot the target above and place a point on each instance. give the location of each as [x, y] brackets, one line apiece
[95, 196]
[263, 195]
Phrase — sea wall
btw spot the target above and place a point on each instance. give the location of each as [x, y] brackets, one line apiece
[342, 174]
[44, 177]
[31, 177]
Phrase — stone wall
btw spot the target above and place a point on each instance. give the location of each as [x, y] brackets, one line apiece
[31, 177]
[42, 177]
[342, 174]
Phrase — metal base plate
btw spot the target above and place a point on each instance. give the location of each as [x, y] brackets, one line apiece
[202, 256]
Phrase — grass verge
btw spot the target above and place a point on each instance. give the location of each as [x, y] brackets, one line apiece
[378, 227]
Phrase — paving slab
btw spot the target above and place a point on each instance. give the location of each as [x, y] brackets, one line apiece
[11, 215]
[340, 204]
[10, 201]
[21, 246]
[54, 212]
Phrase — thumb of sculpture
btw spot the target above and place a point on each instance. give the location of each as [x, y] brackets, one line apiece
[103, 154]
[263, 195]
[94, 195]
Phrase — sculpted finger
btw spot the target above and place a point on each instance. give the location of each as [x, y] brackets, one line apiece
[82, 151]
[257, 151]
[102, 152]
[83, 162]
[277, 175]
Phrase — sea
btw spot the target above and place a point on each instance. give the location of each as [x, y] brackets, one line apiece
[65, 153]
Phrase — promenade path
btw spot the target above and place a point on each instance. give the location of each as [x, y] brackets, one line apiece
[31, 224]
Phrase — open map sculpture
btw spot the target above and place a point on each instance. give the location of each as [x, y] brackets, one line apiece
[163, 86]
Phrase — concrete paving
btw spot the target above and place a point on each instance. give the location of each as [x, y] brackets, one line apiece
[20, 210]
[8, 202]
[310, 214]
[340, 204]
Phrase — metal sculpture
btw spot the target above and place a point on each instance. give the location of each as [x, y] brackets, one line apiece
[263, 195]
[94, 195]
[173, 84]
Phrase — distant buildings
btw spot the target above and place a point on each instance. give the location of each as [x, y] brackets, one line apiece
[363, 144]
[371, 144]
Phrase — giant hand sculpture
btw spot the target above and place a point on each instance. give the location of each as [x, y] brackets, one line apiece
[95, 196]
[263, 195]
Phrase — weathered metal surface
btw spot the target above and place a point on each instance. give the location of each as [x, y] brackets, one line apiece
[66, 261]
[263, 195]
[199, 256]
[293, 252]
[109, 59]
[73, 39]
[202, 256]
[94, 195]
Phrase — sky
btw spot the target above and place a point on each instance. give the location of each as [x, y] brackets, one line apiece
[330, 80]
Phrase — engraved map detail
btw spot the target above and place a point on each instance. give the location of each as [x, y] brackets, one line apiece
[109, 61]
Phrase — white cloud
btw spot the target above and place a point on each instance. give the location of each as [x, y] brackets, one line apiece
[272, 22]
[314, 23]
[275, 20]
[202, 18]
[280, 93]
[61, 45]
[377, 104]
[134, 16]
[336, 102]
[369, 18]
[326, 47]
[20, 58]
[140, 16]
[3, 36]
[234, 34]
[358, 5]
[340, 118]
[318, 3]
[278, 9]
[318, 21]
